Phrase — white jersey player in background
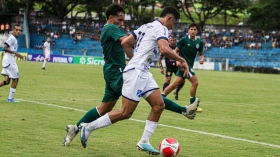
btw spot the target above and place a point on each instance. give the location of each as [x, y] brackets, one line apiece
[138, 81]
[47, 52]
[9, 64]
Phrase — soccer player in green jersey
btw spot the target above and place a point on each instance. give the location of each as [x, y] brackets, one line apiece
[114, 56]
[188, 47]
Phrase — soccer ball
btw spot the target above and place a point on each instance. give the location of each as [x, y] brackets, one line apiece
[169, 147]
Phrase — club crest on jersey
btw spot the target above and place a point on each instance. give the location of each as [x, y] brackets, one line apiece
[197, 46]
[139, 93]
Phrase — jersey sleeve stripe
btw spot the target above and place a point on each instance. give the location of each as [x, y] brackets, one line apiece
[7, 44]
[134, 35]
[162, 38]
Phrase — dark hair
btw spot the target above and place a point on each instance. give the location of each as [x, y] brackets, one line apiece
[16, 25]
[114, 9]
[170, 10]
[193, 25]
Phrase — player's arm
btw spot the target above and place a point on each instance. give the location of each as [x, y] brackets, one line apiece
[7, 49]
[201, 54]
[160, 63]
[127, 44]
[168, 52]
[177, 50]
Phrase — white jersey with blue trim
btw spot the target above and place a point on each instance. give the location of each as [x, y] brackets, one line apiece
[8, 58]
[146, 46]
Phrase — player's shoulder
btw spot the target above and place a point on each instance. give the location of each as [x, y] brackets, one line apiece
[12, 37]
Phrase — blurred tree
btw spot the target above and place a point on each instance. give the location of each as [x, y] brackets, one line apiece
[207, 9]
[59, 8]
[265, 14]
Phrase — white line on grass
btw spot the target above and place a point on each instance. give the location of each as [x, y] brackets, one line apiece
[168, 126]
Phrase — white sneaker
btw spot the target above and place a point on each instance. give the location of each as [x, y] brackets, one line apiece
[191, 110]
[84, 134]
[147, 148]
[70, 134]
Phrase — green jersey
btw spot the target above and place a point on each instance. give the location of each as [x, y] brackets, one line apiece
[189, 48]
[114, 55]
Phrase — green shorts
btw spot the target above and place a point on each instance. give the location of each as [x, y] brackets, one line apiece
[170, 70]
[181, 73]
[113, 89]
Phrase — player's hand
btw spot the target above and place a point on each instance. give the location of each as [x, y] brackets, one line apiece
[162, 70]
[201, 61]
[19, 55]
[184, 67]
[178, 63]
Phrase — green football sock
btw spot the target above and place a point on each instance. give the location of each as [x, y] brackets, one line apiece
[90, 116]
[172, 106]
[192, 99]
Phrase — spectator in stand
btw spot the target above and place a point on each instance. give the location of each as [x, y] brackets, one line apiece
[53, 44]
[64, 28]
[38, 29]
[72, 33]
[7, 28]
[51, 34]
[273, 43]
[2, 28]
[259, 45]
[252, 45]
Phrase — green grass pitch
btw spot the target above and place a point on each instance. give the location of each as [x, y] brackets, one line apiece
[240, 117]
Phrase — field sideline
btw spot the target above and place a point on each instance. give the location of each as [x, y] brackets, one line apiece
[240, 116]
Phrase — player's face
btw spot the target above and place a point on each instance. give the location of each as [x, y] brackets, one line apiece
[192, 31]
[172, 41]
[171, 21]
[17, 31]
[118, 19]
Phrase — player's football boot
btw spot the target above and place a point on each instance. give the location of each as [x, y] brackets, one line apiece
[176, 96]
[147, 148]
[84, 134]
[12, 100]
[71, 132]
[192, 109]
[199, 109]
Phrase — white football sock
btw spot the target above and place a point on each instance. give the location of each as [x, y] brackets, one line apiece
[148, 131]
[44, 64]
[99, 123]
[12, 92]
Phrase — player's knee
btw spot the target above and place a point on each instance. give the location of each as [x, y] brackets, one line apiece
[125, 114]
[195, 83]
[159, 107]
[6, 82]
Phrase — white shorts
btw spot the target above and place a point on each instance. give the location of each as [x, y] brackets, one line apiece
[47, 55]
[11, 71]
[134, 86]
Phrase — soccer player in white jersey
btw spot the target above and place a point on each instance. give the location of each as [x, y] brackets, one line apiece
[47, 52]
[138, 82]
[9, 64]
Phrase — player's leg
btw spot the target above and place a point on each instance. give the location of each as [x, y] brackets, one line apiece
[6, 80]
[177, 81]
[188, 111]
[194, 84]
[157, 104]
[14, 75]
[125, 112]
[176, 93]
[168, 75]
[111, 96]
[44, 63]
[129, 104]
